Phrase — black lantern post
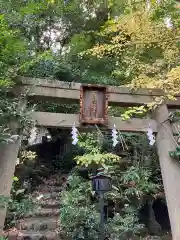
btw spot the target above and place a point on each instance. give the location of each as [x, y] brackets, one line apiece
[101, 184]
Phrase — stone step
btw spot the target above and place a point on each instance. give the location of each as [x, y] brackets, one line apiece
[50, 203]
[31, 235]
[56, 180]
[49, 189]
[56, 183]
[45, 196]
[38, 224]
[43, 212]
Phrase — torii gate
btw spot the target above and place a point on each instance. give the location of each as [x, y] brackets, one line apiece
[116, 96]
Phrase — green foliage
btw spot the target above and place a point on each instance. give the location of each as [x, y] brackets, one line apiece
[175, 117]
[97, 158]
[3, 238]
[58, 108]
[6, 137]
[12, 53]
[125, 225]
[131, 184]
[138, 181]
[12, 110]
[100, 44]
[93, 154]
[176, 153]
[26, 156]
[76, 205]
[117, 44]
[132, 111]
[18, 204]
[17, 209]
[143, 49]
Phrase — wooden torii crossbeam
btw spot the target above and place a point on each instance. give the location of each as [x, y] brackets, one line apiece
[63, 92]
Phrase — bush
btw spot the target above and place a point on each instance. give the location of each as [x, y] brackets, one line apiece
[79, 217]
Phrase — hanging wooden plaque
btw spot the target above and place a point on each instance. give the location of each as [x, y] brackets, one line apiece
[93, 104]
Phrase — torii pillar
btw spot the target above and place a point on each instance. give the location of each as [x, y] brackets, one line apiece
[8, 158]
[170, 168]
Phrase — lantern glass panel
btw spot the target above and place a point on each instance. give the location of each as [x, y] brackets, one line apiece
[101, 184]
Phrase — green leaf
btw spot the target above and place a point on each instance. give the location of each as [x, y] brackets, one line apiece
[15, 179]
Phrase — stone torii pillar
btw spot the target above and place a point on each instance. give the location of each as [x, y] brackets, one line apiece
[170, 168]
[8, 158]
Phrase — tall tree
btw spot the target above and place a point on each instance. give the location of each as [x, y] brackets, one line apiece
[140, 46]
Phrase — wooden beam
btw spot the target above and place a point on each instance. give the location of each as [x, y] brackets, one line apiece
[61, 120]
[69, 92]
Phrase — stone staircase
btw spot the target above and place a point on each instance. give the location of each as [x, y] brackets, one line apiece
[43, 222]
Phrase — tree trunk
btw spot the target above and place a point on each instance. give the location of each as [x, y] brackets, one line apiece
[153, 226]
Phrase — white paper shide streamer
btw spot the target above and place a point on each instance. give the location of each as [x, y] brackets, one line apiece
[148, 5]
[168, 22]
[74, 135]
[150, 136]
[114, 136]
